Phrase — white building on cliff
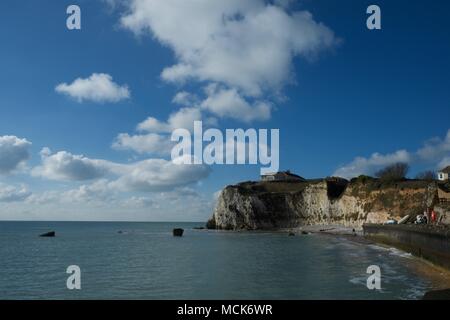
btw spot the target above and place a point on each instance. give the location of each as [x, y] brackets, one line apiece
[281, 176]
[444, 173]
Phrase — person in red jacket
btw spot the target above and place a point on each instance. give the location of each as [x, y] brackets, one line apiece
[433, 216]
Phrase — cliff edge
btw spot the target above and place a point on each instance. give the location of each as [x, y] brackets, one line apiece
[268, 205]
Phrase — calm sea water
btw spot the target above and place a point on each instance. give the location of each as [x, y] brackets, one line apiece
[147, 262]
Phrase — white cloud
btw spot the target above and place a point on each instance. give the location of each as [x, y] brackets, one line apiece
[436, 148]
[158, 175]
[13, 194]
[185, 98]
[248, 45]
[435, 153]
[14, 152]
[139, 202]
[183, 118]
[99, 87]
[284, 3]
[148, 175]
[245, 48]
[48, 196]
[376, 161]
[101, 201]
[151, 143]
[444, 163]
[181, 193]
[228, 103]
[97, 191]
[66, 166]
[155, 138]
[155, 134]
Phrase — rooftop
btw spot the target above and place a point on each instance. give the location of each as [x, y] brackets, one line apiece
[446, 170]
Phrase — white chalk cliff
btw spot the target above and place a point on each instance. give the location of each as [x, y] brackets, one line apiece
[277, 204]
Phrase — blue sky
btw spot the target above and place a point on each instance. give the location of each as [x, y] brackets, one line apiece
[346, 94]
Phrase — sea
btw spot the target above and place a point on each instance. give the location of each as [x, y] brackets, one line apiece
[143, 260]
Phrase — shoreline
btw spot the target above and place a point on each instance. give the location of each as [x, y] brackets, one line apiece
[437, 275]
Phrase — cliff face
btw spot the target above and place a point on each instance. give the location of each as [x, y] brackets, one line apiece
[273, 205]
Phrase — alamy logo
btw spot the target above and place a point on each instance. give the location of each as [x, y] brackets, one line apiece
[73, 21]
[74, 280]
[374, 280]
[238, 147]
[374, 20]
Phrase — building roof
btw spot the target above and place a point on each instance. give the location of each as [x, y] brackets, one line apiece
[287, 173]
[446, 169]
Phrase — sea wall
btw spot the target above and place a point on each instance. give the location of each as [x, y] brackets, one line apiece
[429, 242]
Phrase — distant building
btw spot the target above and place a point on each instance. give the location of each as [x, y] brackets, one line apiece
[281, 176]
[443, 174]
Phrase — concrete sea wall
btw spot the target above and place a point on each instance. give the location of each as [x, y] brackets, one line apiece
[428, 242]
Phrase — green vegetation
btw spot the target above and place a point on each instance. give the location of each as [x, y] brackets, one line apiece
[393, 172]
[363, 179]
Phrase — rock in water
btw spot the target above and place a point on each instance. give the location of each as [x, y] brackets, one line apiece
[178, 232]
[48, 234]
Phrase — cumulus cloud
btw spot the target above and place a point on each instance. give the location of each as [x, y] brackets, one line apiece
[444, 163]
[154, 135]
[99, 201]
[99, 87]
[185, 98]
[13, 193]
[228, 103]
[45, 197]
[151, 143]
[248, 45]
[14, 152]
[436, 148]
[376, 161]
[150, 140]
[99, 190]
[148, 175]
[435, 153]
[244, 50]
[158, 175]
[63, 165]
[139, 202]
[183, 118]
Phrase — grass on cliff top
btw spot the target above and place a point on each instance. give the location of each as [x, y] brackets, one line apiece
[368, 184]
[361, 183]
